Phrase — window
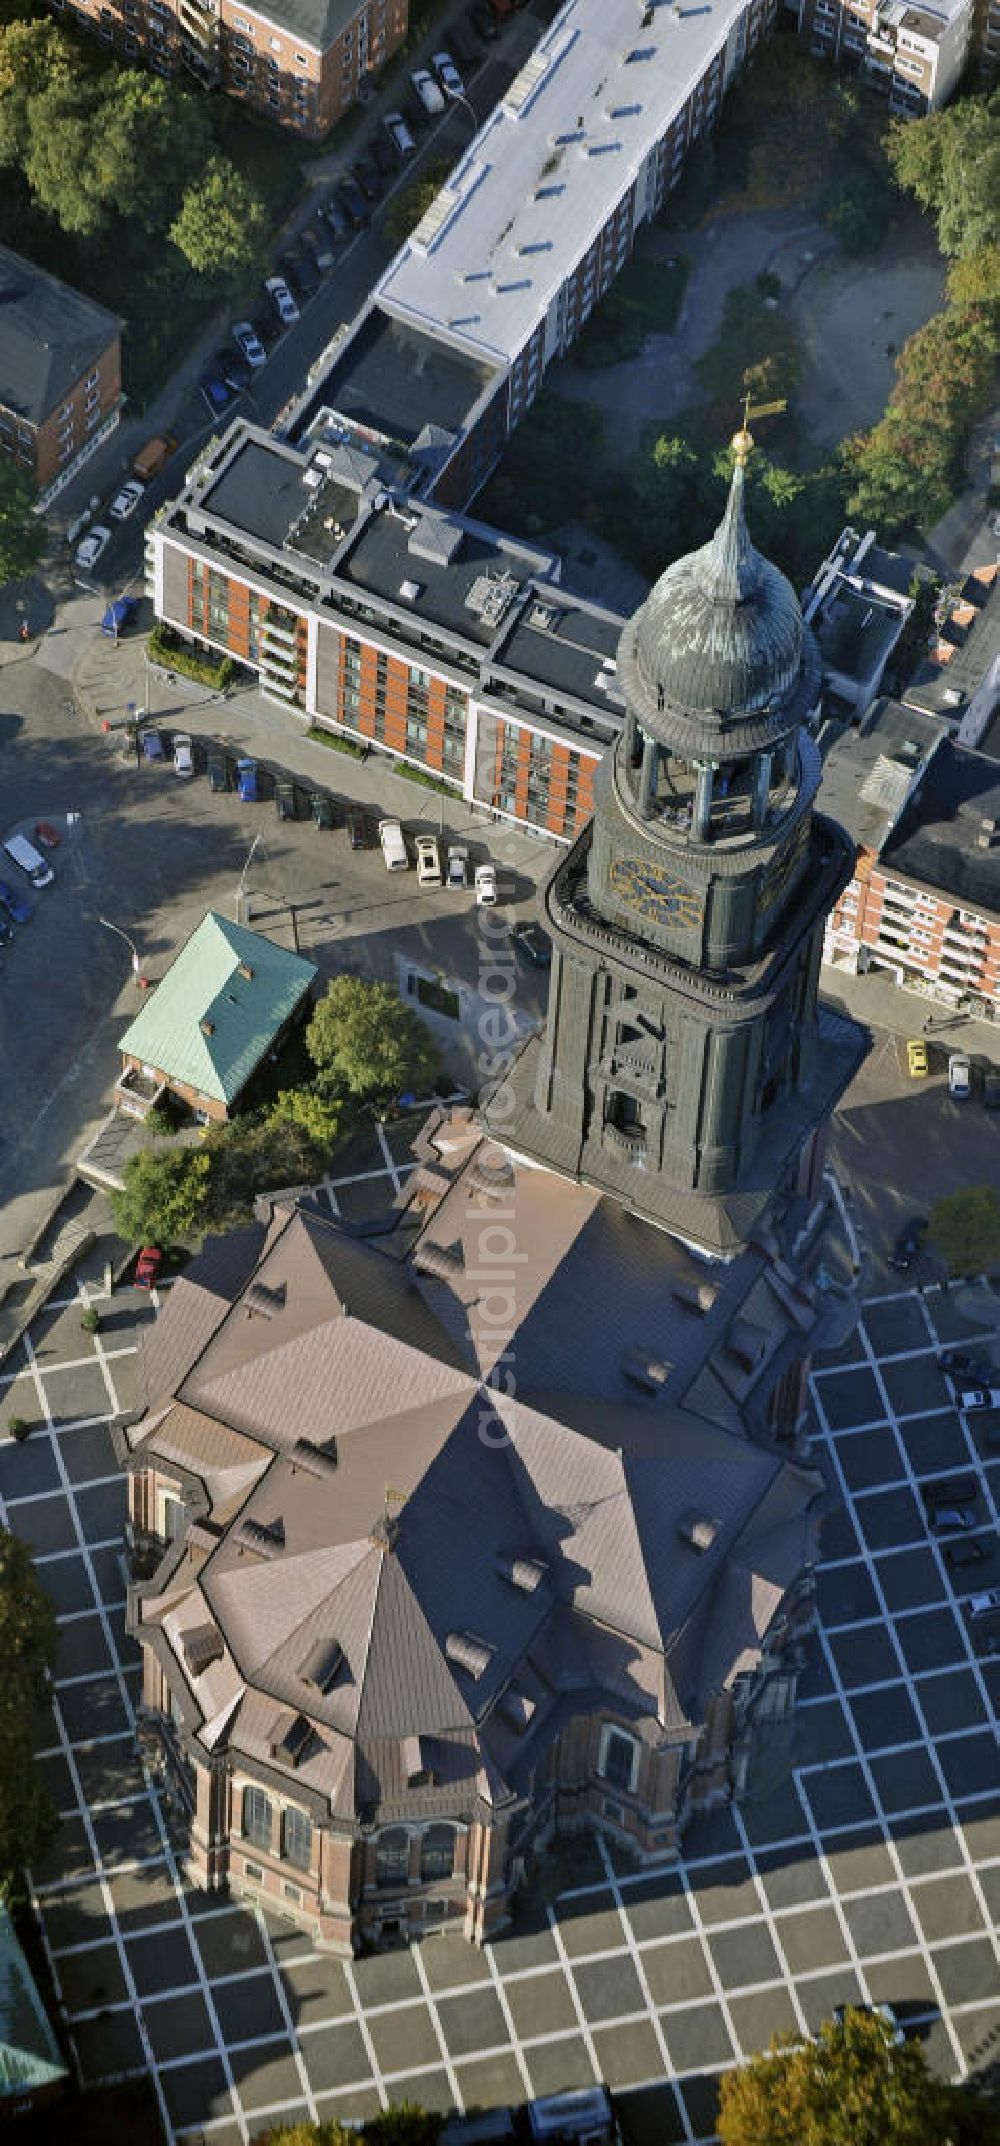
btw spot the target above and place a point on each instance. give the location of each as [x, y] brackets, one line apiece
[437, 1852]
[300, 60]
[392, 1857]
[172, 1516]
[296, 1838]
[619, 1759]
[257, 1817]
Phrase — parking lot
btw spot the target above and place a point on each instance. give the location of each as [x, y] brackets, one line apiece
[870, 1870]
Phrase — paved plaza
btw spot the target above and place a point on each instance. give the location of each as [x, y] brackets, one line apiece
[869, 1871]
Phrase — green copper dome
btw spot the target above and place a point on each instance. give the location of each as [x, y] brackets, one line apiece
[718, 658]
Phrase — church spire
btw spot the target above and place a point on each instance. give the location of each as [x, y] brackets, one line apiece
[732, 563]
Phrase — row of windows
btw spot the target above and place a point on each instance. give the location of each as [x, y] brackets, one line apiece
[258, 1827]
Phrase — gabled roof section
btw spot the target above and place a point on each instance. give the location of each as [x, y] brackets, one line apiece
[218, 1009]
[196, 1305]
[50, 337]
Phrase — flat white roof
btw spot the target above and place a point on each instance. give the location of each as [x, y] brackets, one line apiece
[546, 171]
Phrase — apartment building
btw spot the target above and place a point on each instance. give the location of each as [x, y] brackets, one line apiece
[915, 54]
[857, 604]
[299, 62]
[986, 35]
[393, 621]
[60, 374]
[531, 228]
[960, 676]
[924, 901]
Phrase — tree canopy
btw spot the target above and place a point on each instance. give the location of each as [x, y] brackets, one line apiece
[403, 2124]
[852, 2086]
[27, 1651]
[408, 206]
[22, 532]
[950, 160]
[164, 1195]
[220, 220]
[363, 1036]
[965, 1227]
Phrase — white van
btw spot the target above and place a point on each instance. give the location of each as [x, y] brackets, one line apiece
[23, 853]
[390, 835]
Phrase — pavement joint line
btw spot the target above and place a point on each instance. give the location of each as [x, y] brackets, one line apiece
[146, 1929]
[103, 1360]
[103, 1872]
[282, 1997]
[770, 1924]
[637, 1961]
[978, 1462]
[835, 1900]
[206, 2055]
[892, 1549]
[88, 1551]
[931, 1744]
[574, 1995]
[721, 1997]
[87, 1676]
[77, 1616]
[117, 1669]
[86, 1743]
[72, 1363]
[397, 1182]
[109, 1803]
[508, 2019]
[885, 1751]
[435, 2017]
[370, 2051]
[865, 1764]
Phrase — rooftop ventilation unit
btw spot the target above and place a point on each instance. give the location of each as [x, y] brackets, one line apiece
[697, 1529]
[496, 1179]
[313, 1459]
[207, 1027]
[265, 1540]
[409, 591]
[200, 1647]
[290, 1749]
[491, 596]
[649, 1372]
[244, 970]
[264, 1301]
[525, 1573]
[442, 1260]
[418, 1773]
[517, 1709]
[542, 617]
[322, 1665]
[468, 1652]
[312, 479]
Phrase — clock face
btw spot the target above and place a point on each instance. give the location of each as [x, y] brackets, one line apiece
[653, 893]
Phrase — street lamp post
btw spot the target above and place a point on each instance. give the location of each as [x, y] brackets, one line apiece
[458, 96]
[130, 943]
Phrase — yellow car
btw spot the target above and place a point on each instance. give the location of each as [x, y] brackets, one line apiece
[916, 1059]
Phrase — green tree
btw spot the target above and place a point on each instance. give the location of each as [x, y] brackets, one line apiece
[950, 161]
[32, 55]
[252, 1156]
[71, 160]
[28, 1651]
[965, 1227]
[22, 533]
[407, 207]
[164, 1195]
[163, 139]
[363, 1036]
[851, 2086]
[975, 280]
[317, 1111]
[220, 221]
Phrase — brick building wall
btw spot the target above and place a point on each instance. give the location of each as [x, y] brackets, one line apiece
[928, 943]
[43, 451]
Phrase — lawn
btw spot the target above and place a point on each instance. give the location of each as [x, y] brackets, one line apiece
[644, 300]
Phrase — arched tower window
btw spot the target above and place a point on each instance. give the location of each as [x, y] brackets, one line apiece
[257, 1817]
[392, 1856]
[437, 1852]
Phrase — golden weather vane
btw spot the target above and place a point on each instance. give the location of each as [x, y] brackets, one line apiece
[742, 441]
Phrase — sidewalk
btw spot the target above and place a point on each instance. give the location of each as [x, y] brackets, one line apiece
[880, 1004]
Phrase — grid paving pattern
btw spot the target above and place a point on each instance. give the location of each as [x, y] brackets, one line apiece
[870, 1871]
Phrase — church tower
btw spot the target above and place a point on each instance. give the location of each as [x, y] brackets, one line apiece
[685, 1063]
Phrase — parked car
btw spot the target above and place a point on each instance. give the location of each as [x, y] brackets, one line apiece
[944, 1490]
[233, 367]
[380, 154]
[959, 1363]
[246, 781]
[216, 390]
[448, 74]
[907, 1245]
[486, 885]
[484, 23]
[321, 807]
[282, 300]
[399, 134]
[353, 203]
[414, 112]
[317, 242]
[984, 1605]
[458, 865]
[366, 178]
[428, 861]
[148, 1267]
[47, 835]
[284, 798]
[249, 344]
[970, 1552]
[151, 459]
[427, 90]
[972, 1400]
[266, 325]
[464, 47]
[218, 772]
[15, 904]
[86, 555]
[916, 1058]
[991, 1089]
[336, 217]
[152, 745]
[126, 501]
[959, 1077]
[952, 1519]
[357, 830]
[533, 943]
[301, 271]
[183, 758]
